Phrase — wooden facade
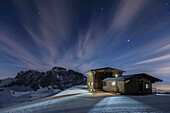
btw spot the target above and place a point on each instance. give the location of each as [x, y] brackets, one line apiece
[95, 77]
[111, 80]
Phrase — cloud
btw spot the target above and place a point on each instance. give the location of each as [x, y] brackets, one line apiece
[162, 70]
[49, 38]
[164, 57]
[17, 50]
[150, 51]
[162, 87]
[161, 49]
[126, 12]
[51, 35]
[97, 39]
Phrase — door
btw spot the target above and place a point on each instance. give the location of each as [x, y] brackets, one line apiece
[140, 86]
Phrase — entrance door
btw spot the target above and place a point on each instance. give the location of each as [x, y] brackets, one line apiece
[140, 85]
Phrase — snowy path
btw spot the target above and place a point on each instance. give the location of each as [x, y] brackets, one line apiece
[121, 104]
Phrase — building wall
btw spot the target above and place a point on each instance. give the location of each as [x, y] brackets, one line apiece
[119, 87]
[90, 80]
[132, 86]
[128, 86]
[146, 81]
[98, 79]
[99, 76]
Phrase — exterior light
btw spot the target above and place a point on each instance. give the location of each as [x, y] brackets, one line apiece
[113, 83]
[127, 81]
[116, 75]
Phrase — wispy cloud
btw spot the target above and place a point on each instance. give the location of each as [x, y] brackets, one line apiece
[50, 36]
[161, 49]
[162, 70]
[126, 12]
[100, 44]
[17, 51]
[148, 51]
[162, 87]
[165, 57]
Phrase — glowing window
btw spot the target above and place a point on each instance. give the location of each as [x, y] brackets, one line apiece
[91, 83]
[116, 75]
[147, 86]
[113, 83]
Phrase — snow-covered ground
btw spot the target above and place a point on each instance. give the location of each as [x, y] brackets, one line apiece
[122, 104]
[10, 97]
[6, 81]
[78, 100]
[73, 90]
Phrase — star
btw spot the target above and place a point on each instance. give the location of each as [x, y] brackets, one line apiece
[102, 9]
[39, 12]
[167, 3]
[128, 40]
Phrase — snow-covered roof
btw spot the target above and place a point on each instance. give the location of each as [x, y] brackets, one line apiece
[105, 68]
[153, 79]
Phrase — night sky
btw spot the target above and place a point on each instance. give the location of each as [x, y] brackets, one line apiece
[131, 35]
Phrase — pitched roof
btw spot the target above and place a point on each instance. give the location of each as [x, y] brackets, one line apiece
[107, 68]
[151, 78]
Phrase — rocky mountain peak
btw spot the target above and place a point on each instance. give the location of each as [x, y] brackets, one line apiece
[58, 69]
[58, 78]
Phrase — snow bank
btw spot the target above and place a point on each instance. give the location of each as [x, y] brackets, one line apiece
[10, 97]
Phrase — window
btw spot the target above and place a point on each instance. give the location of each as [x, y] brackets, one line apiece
[104, 83]
[116, 75]
[108, 74]
[113, 83]
[91, 83]
[147, 86]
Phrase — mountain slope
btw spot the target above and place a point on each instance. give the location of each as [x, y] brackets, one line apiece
[57, 78]
[31, 85]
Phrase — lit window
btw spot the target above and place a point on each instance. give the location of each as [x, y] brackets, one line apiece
[147, 86]
[116, 75]
[114, 83]
[91, 83]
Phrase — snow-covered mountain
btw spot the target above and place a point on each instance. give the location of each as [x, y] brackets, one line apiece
[6, 81]
[30, 85]
[57, 78]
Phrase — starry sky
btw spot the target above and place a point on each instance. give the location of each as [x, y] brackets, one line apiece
[131, 35]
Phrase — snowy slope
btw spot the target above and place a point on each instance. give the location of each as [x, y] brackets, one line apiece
[30, 85]
[6, 81]
[10, 97]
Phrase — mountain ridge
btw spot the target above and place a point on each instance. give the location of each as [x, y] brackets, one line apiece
[57, 78]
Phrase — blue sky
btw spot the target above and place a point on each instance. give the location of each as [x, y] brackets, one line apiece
[131, 35]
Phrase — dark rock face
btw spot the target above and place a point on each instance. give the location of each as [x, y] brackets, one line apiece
[58, 78]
